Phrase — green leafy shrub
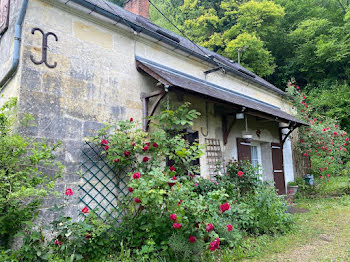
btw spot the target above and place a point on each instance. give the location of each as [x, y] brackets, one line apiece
[27, 173]
[170, 213]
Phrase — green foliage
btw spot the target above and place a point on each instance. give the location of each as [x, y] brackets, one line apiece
[240, 184]
[323, 140]
[170, 214]
[27, 173]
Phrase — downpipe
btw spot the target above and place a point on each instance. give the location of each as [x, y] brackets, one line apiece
[17, 48]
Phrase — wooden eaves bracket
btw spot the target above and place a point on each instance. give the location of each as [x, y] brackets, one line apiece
[145, 102]
[225, 128]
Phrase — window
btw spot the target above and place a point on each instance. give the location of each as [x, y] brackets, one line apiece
[255, 157]
[255, 152]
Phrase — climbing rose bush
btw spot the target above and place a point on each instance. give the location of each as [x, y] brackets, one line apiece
[323, 140]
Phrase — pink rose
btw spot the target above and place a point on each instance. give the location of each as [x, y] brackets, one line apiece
[136, 175]
[104, 142]
[177, 225]
[69, 192]
[224, 207]
[240, 173]
[192, 239]
[209, 227]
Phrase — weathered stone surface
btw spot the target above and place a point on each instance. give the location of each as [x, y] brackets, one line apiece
[90, 128]
[52, 84]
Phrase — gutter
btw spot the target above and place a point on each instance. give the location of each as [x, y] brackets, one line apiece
[16, 52]
[101, 11]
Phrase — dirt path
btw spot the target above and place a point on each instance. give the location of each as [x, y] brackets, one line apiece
[330, 240]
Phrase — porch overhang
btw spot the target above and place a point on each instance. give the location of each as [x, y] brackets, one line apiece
[173, 78]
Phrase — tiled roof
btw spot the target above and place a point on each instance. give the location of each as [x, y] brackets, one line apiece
[141, 24]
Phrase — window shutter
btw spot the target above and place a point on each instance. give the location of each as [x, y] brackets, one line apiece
[278, 172]
[244, 150]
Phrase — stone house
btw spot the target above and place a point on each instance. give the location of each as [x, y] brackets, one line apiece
[76, 64]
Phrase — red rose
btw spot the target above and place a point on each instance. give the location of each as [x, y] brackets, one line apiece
[145, 159]
[192, 239]
[328, 175]
[155, 145]
[69, 192]
[148, 144]
[173, 217]
[174, 178]
[133, 143]
[179, 203]
[177, 225]
[346, 139]
[335, 133]
[209, 227]
[58, 243]
[131, 189]
[240, 173]
[145, 148]
[116, 160]
[214, 245]
[104, 142]
[224, 207]
[126, 153]
[88, 236]
[131, 119]
[106, 148]
[85, 210]
[172, 169]
[136, 175]
[136, 200]
[229, 228]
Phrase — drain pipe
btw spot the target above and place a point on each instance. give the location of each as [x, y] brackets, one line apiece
[17, 48]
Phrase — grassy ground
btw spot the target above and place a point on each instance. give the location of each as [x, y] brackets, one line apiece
[322, 234]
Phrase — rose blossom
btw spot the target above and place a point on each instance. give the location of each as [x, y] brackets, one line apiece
[104, 142]
[131, 119]
[137, 200]
[57, 242]
[192, 239]
[131, 189]
[172, 169]
[136, 175]
[116, 160]
[177, 225]
[145, 148]
[69, 192]
[229, 228]
[85, 210]
[224, 207]
[106, 148]
[240, 173]
[145, 159]
[155, 145]
[174, 178]
[173, 217]
[209, 227]
[214, 245]
[126, 153]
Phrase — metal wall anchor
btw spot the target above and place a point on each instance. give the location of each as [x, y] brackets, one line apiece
[44, 48]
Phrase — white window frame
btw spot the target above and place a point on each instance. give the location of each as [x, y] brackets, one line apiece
[258, 149]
